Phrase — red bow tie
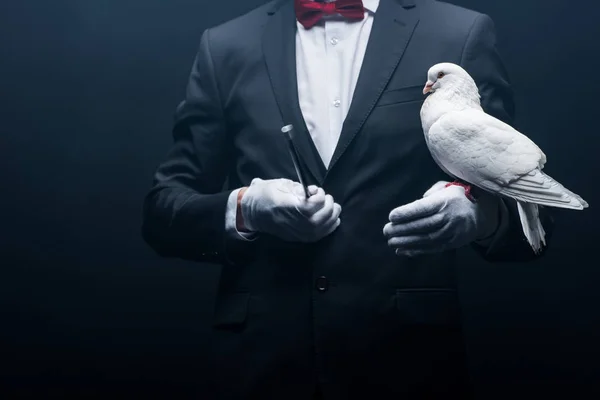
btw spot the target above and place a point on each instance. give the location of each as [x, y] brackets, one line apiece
[309, 12]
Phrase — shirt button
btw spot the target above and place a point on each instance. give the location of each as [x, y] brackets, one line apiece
[322, 284]
[337, 103]
[334, 41]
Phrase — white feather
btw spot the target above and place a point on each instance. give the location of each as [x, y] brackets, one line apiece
[532, 226]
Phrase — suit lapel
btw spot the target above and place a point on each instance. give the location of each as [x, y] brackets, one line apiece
[279, 48]
[394, 23]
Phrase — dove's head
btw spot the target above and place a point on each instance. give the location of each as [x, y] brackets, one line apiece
[450, 77]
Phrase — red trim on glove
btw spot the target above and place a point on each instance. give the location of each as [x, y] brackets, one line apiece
[239, 219]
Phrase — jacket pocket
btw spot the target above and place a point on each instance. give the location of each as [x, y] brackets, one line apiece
[231, 310]
[402, 95]
[427, 306]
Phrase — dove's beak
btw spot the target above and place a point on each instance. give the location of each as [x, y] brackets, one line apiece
[427, 88]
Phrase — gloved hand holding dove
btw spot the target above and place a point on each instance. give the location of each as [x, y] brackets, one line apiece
[477, 149]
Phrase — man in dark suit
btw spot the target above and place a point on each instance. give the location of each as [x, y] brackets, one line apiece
[328, 295]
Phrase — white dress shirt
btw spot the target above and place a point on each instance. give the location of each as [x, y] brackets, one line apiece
[329, 57]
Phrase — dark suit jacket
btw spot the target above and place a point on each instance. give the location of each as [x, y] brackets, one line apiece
[345, 311]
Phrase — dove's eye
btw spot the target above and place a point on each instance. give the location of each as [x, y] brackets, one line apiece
[440, 75]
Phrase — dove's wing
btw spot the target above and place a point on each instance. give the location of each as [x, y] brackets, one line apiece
[483, 150]
[488, 153]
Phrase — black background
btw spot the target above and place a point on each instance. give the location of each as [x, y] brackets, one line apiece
[88, 90]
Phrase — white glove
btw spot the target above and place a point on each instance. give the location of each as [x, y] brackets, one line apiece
[443, 219]
[279, 207]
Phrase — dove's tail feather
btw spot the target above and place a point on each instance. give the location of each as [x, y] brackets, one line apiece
[532, 226]
[539, 188]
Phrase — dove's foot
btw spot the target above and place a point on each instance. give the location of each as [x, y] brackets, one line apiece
[465, 186]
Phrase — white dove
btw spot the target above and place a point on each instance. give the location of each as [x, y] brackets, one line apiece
[475, 147]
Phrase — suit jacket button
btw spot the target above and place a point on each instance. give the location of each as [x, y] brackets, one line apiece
[322, 284]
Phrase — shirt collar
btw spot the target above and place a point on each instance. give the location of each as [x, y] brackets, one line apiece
[371, 5]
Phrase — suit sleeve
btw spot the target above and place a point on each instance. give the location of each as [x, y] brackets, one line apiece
[481, 59]
[184, 212]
